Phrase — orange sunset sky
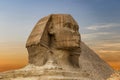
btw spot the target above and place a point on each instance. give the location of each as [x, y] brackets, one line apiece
[99, 22]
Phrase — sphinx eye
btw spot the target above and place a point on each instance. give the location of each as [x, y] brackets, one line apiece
[68, 25]
[75, 28]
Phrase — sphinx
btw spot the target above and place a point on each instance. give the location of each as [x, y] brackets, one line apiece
[55, 36]
[56, 52]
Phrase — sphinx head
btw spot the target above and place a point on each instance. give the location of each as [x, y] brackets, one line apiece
[64, 32]
[58, 31]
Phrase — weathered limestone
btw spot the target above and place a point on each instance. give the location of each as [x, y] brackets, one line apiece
[56, 52]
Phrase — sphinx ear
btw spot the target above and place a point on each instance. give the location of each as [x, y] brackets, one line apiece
[51, 29]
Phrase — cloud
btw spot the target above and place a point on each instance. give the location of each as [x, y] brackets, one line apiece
[109, 51]
[111, 44]
[96, 34]
[105, 47]
[102, 26]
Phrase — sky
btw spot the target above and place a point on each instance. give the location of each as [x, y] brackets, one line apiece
[99, 22]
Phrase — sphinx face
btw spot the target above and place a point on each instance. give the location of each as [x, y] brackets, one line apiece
[66, 36]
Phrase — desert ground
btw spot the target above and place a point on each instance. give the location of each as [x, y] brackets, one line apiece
[115, 76]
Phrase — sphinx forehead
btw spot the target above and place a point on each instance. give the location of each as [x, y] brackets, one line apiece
[62, 19]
